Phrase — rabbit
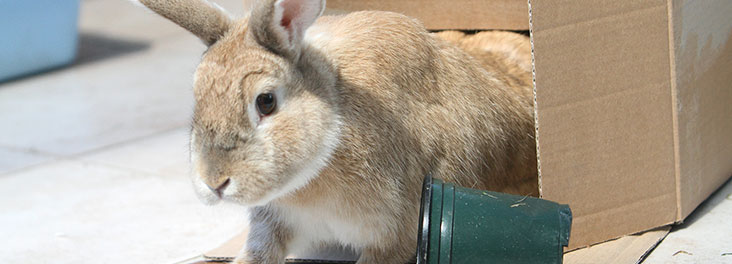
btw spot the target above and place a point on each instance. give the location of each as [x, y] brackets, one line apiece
[505, 53]
[325, 126]
[513, 47]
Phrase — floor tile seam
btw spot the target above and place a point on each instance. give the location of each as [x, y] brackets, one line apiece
[28, 150]
[56, 158]
[125, 142]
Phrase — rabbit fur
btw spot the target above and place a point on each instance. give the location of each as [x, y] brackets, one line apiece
[367, 104]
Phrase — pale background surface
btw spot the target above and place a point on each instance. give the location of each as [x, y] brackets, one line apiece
[94, 157]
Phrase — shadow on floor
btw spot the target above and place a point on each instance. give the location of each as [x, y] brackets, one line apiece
[92, 47]
[95, 47]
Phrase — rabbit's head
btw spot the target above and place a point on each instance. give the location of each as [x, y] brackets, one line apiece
[265, 121]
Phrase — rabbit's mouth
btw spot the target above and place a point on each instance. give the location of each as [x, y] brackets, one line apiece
[230, 191]
[206, 194]
[219, 191]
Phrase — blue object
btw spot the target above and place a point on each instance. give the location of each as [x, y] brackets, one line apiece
[36, 35]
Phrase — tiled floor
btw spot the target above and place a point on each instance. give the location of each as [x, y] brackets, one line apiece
[704, 237]
[93, 157]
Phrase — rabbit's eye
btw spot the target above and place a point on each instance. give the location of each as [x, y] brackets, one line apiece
[266, 103]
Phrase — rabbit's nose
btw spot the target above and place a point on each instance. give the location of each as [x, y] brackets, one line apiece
[219, 190]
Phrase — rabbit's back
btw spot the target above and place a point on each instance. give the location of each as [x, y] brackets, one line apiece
[413, 104]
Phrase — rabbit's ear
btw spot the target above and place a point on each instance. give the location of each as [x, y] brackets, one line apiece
[280, 25]
[206, 20]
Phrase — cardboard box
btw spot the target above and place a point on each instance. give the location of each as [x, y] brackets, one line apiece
[436, 14]
[633, 101]
[633, 109]
[633, 104]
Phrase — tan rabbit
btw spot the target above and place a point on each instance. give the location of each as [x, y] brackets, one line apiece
[326, 126]
[505, 53]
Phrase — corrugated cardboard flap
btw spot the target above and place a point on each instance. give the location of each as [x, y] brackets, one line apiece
[328, 255]
[627, 249]
[437, 14]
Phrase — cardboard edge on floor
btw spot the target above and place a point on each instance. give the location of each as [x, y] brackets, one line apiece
[328, 255]
[627, 249]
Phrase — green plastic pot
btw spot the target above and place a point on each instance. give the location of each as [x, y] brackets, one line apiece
[463, 225]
